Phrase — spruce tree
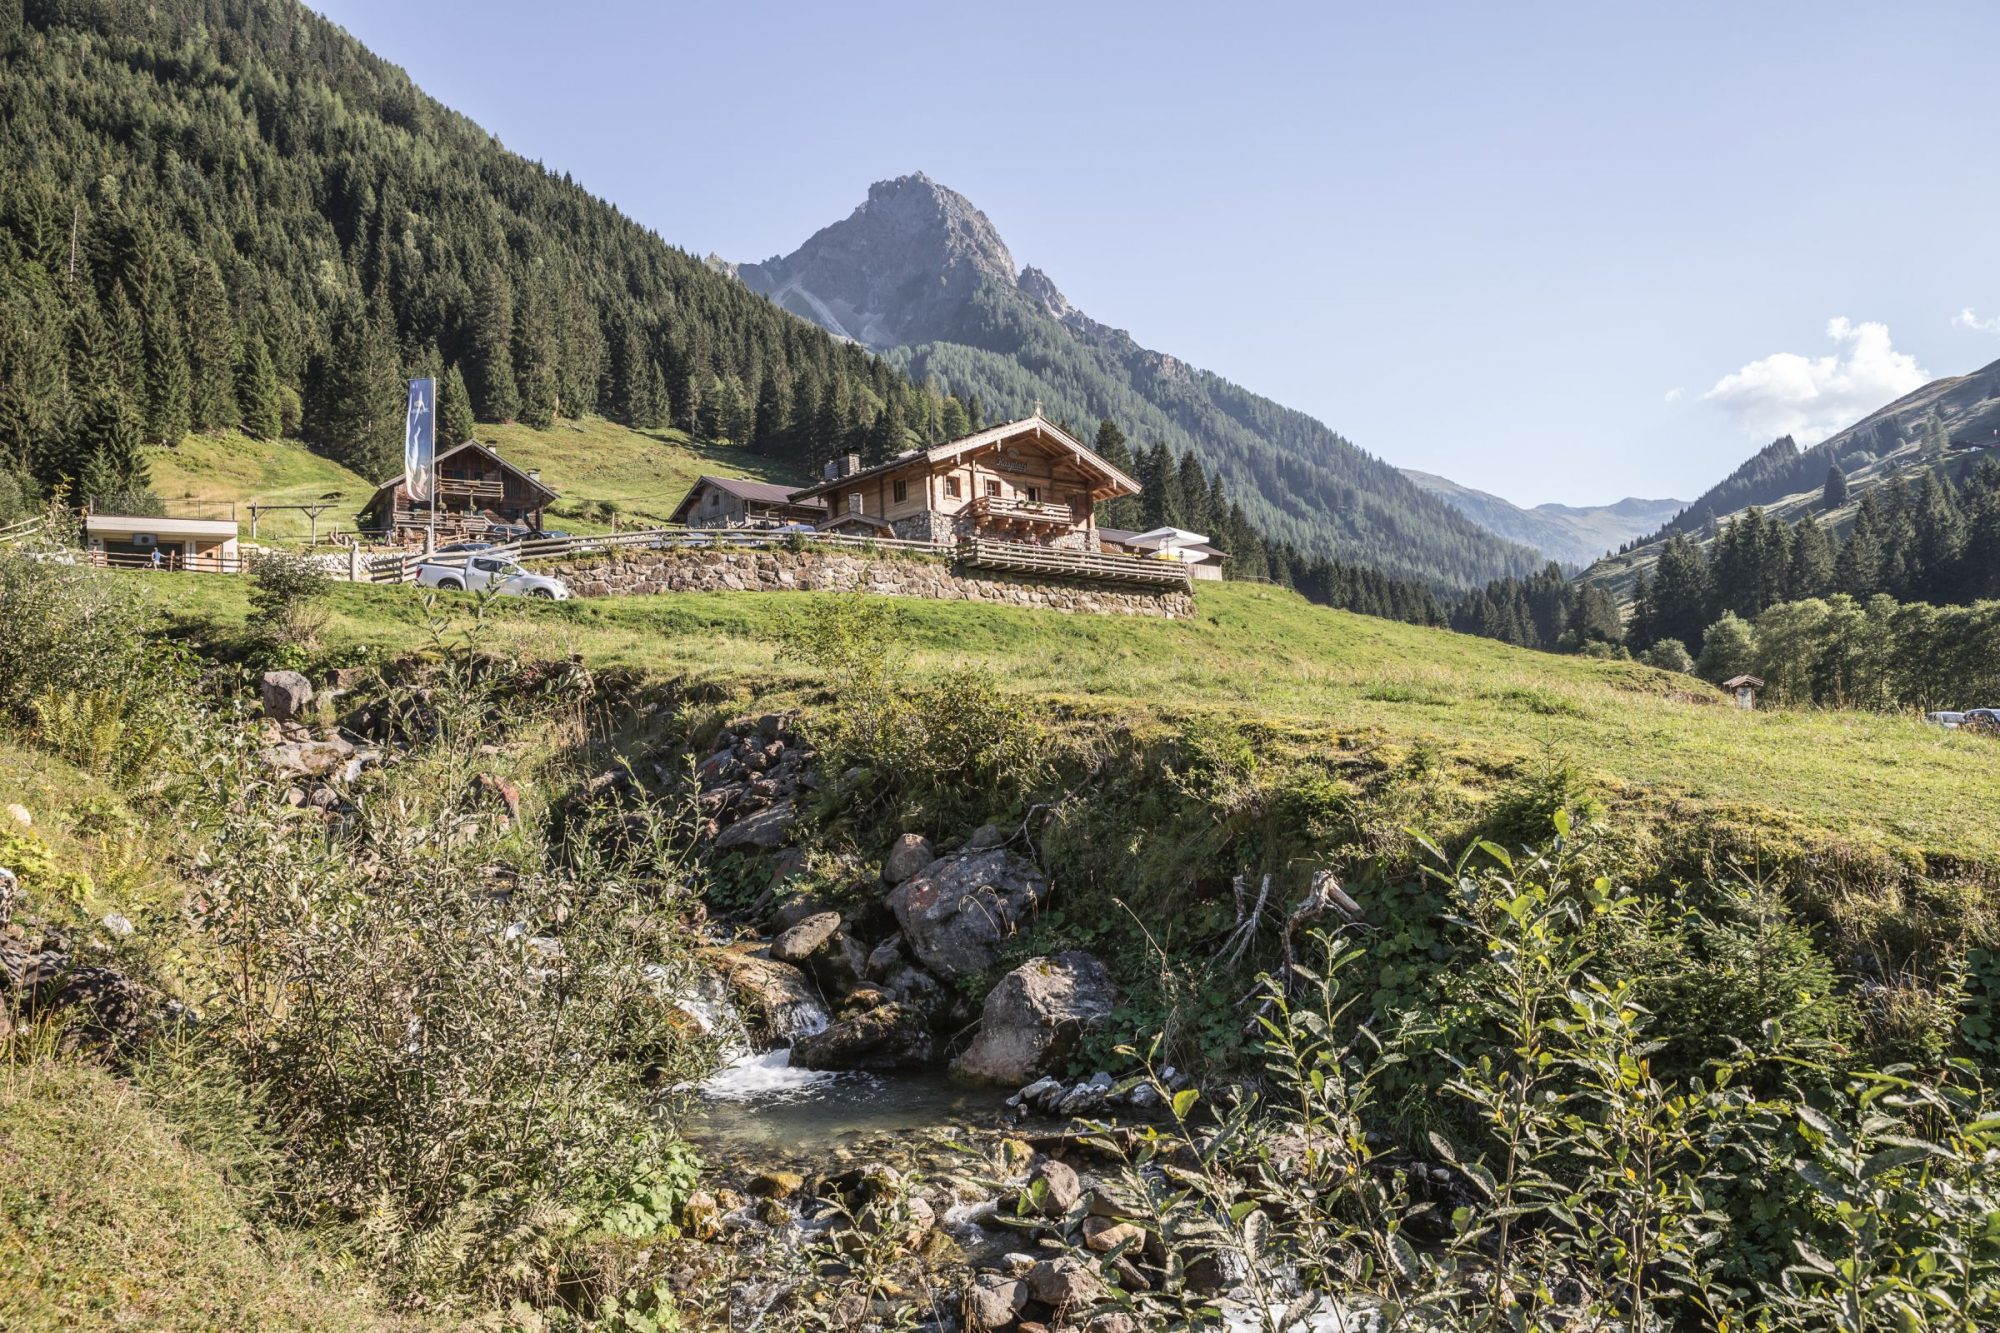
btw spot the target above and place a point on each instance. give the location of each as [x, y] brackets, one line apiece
[489, 362]
[259, 400]
[114, 469]
[454, 409]
[213, 350]
[1811, 561]
[1834, 495]
[167, 409]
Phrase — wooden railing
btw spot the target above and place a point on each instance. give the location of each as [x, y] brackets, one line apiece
[1054, 562]
[1033, 511]
[171, 562]
[482, 487]
[21, 531]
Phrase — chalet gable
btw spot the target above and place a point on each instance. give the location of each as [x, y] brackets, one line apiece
[1024, 444]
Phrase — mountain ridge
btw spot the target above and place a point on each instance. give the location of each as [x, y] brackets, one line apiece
[920, 275]
[1572, 535]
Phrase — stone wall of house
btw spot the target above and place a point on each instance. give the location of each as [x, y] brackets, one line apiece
[622, 572]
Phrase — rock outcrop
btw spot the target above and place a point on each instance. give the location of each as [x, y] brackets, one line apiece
[1035, 1017]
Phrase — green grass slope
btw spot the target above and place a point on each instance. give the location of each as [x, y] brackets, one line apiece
[1315, 676]
[205, 474]
[108, 1220]
[643, 474]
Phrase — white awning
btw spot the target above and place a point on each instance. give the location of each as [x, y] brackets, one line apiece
[1171, 543]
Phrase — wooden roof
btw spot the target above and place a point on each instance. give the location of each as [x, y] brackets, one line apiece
[437, 462]
[754, 492]
[1113, 482]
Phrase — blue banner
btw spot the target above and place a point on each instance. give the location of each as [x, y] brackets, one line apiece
[420, 440]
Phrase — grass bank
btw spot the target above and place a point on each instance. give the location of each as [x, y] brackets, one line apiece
[1315, 676]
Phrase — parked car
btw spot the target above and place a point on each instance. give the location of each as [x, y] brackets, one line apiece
[1949, 721]
[463, 548]
[507, 532]
[490, 573]
[1982, 719]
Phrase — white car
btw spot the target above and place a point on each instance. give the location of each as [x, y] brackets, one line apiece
[478, 572]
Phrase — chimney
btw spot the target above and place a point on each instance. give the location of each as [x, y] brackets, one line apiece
[843, 467]
[534, 474]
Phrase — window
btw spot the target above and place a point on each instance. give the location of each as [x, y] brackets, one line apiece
[714, 499]
[951, 487]
[902, 491]
[1034, 495]
[993, 488]
[854, 502]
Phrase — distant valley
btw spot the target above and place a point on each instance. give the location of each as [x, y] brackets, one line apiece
[1571, 535]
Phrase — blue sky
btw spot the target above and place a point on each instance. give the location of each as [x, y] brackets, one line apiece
[1556, 251]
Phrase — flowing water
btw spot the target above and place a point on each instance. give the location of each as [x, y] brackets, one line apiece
[757, 1103]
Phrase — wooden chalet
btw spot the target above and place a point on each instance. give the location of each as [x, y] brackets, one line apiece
[476, 489]
[738, 502]
[1028, 482]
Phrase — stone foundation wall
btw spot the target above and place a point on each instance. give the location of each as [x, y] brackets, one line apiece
[620, 573]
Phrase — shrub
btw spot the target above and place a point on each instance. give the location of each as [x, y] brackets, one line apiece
[284, 601]
[1669, 655]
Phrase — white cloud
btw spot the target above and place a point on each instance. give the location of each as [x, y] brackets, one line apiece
[1672, 395]
[1965, 319]
[1811, 397]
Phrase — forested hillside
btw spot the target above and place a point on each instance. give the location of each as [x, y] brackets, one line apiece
[1928, 420]
[229, 214]
[922, 275]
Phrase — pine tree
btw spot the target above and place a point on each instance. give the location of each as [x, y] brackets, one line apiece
[1835, 493]
[259, 399]
[1810, 571]
[167, 411]
[454, 409]
[355, 399]
[1857, 569]
[535, 356]
[115, 466]
[489, 362]
[1195, 514]
[213, 350]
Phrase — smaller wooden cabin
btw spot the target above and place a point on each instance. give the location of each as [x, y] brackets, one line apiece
[131, 541]
[738, 502]
[476, 489]
[1744, 690]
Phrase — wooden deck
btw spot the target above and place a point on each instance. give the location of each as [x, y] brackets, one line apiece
[1051, 562]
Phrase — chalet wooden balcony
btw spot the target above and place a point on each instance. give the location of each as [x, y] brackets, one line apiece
[1054, 562]
[478, 488]
[1003, 509]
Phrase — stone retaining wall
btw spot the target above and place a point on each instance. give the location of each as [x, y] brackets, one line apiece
[623, 572]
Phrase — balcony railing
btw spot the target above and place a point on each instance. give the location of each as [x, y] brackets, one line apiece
[482, 487]
[1028, 511]
[1054, 562]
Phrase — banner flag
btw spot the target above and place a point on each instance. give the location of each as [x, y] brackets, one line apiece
[420, 440]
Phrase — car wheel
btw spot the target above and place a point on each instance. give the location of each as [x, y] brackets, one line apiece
[542, 593]
[453, 584]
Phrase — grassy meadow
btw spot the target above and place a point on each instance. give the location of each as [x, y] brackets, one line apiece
[1308, 676]
[643, 474]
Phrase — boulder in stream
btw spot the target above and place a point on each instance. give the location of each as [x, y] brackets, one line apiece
[891, 1036]
[777, 999]
[1034, 1019]
[959, 910]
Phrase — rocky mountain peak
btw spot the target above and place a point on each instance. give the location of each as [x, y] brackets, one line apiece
[1040, 288]
[896, 270]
